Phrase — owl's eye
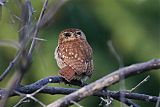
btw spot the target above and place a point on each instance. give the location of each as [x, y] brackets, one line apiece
[67, 34]
[79, 33]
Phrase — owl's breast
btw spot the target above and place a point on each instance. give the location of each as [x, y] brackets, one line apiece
[76, 50]
[76, 54]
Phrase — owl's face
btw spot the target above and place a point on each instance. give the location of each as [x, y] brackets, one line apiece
[71, 34]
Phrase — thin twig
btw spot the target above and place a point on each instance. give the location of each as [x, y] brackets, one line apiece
[14, 81]
[40, 39]
[107, 101]
[37, 28]
[38, 101]
[17, 17]
[48, 17]
[77, 104]
[10, 43]
[139, 84]
[20, 102]
[11, 64]
[121, 64]
[26, 96]
[114, 52]
[37, 91]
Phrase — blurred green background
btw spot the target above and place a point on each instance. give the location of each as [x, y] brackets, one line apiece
[133, 26]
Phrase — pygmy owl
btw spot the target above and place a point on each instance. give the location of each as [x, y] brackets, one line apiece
[74, 55]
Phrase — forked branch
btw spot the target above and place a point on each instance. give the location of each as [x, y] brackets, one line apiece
[106, 81]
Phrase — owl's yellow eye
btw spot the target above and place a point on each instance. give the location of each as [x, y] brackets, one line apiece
[67, 34]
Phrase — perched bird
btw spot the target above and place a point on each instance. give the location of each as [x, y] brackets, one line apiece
[74, 55]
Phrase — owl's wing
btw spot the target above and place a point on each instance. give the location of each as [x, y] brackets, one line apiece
[90, 67]
[87, 58]
[78, 55]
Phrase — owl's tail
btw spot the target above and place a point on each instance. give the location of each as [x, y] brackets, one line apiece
[67, 72]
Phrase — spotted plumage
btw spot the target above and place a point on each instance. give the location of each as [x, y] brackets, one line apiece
[74, 55]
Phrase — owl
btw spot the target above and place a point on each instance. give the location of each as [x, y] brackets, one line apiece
[74, 55]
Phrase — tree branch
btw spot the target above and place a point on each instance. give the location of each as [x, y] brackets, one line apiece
[134, 69]
[23, 59]
[51, 12]
[106, 81]
[65, 91]
[36, 29]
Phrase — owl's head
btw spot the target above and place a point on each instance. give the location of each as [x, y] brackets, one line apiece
[71, 34]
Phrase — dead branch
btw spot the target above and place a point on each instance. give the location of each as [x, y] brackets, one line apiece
[65, 91]
[23, 59]
[106, 81]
